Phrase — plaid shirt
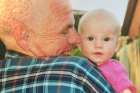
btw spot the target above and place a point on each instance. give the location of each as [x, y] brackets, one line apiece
[63, 74]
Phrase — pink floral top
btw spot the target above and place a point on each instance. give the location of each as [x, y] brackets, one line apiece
[116, 75]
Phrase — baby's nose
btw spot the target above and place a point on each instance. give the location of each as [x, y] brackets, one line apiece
[98, 43]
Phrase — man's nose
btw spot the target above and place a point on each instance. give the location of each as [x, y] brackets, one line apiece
[74, 37]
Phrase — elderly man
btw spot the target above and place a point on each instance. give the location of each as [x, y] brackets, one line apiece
[36, 33]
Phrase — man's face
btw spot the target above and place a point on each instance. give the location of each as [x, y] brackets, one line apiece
[53, 28]
[42, 27]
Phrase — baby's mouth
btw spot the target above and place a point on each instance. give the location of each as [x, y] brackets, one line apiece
[98, 53]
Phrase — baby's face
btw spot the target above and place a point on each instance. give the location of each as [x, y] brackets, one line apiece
[98, 42]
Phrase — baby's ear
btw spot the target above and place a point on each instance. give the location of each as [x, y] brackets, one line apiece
[118, 45]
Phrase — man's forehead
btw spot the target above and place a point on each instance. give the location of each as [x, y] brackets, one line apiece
[37, 14]
[59, 7]
[59, 12]
[50, 5]
[21, 8]
[51, 8]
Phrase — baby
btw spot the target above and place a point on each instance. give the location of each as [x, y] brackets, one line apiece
[99, 31]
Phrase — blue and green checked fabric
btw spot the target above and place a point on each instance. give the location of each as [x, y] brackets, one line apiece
[63, 74]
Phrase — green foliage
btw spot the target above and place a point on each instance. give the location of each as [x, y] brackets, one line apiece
[75, 52]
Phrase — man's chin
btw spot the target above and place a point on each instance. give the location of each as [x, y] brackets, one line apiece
[62, 52]
[66, 53]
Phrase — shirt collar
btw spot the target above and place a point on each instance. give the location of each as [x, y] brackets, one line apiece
[13, 54]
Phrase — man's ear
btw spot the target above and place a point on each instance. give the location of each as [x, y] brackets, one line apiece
[19, 32]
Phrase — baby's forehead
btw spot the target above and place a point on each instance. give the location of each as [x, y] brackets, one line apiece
[99, 24]
[99, 28]
[95, 20]
[100, 16]
[99, 20]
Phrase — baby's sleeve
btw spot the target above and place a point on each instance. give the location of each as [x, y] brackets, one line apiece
[117, 76]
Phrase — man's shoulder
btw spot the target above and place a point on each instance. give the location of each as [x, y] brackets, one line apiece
[64, 67]
[75, 60]
[26, 61]
[71, 58]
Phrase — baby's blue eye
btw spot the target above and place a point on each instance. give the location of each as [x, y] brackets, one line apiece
[90, 38]
[106, 39]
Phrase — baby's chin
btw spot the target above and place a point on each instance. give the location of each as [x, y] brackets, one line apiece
[67, 53]
[98, 62]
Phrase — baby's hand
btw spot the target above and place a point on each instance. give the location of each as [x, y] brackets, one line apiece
[126, 91]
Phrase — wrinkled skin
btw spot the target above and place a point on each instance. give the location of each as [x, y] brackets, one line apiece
[42, 27]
